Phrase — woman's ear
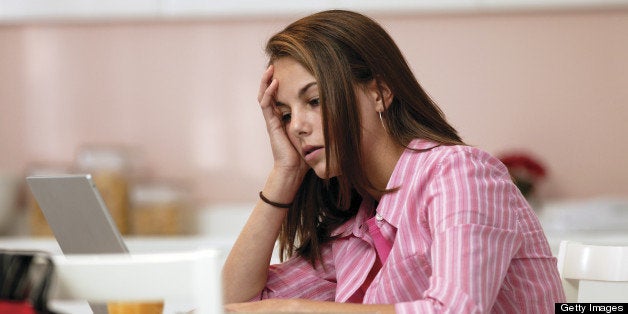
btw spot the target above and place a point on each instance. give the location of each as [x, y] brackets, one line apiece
[385, 92]
[381, 94]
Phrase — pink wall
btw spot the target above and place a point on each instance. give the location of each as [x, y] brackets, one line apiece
[184, 93]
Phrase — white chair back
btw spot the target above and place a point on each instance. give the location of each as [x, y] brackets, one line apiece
[191, 278]
[593, 273]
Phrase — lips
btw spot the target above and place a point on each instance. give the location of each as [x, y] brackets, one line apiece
[308, 150]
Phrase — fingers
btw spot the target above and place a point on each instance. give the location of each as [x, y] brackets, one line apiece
[266, 80]
[266, 103]
[269, 94]
[265, 97]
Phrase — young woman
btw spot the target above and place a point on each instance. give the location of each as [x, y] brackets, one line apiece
[378, 204]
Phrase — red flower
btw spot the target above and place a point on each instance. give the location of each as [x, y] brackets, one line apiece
[524, 170]
[524, 162]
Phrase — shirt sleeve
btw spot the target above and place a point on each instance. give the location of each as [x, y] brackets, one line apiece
[472, 215]
[297, 278]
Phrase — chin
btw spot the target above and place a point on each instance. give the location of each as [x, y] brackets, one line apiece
[321, 172]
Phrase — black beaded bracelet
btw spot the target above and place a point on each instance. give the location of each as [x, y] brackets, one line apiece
[269, 202]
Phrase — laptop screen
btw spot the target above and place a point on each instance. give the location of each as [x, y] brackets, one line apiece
[77, 214]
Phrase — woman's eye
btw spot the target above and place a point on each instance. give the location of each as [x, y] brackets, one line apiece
[313, 102]
[285, 117]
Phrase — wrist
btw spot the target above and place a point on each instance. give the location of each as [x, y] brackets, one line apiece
[273, 203]
[281, 186]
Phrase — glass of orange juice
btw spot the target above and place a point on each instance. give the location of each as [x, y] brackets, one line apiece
[135, 307]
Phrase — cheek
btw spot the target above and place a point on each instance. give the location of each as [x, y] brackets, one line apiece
[293, 139]
[316, 119]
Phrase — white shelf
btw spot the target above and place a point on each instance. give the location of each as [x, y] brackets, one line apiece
[27, 11]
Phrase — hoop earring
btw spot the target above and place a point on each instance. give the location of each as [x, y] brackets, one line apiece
[382, 120]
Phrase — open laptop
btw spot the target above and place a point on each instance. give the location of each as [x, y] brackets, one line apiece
[78, 217]
[77, 214]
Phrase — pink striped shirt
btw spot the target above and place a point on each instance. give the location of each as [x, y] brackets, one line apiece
[464, 241]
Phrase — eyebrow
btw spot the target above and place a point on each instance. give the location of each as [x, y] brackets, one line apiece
[305, 88]
[302, 91]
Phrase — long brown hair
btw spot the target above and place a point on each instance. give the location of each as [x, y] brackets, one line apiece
[342, 50]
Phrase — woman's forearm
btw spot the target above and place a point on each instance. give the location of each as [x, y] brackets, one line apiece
[246, 268]
[245, 271]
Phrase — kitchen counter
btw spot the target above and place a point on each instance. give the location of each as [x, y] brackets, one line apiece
[600, 220]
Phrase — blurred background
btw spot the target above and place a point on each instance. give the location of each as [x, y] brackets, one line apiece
[158, 98]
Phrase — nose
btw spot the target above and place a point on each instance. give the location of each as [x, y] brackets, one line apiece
[300, 124]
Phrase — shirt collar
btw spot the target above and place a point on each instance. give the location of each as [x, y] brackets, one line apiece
[388, 208]
[353, 225]
[388, 211]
